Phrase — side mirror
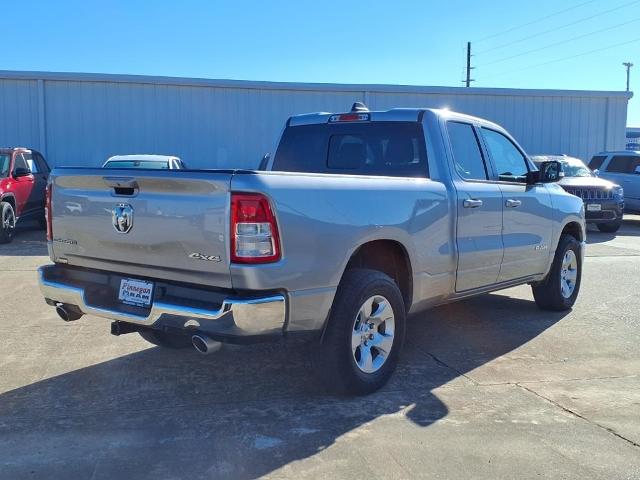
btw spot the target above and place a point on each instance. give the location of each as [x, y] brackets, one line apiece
[637, 170]
[549, 172]
[21, 172]
[596, 172]
[264, 162]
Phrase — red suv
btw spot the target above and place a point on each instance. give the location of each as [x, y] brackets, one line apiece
[23, 182]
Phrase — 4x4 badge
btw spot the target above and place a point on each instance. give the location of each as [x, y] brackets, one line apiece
[122, 217]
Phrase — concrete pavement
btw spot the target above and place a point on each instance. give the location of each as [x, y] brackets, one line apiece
[487, 388]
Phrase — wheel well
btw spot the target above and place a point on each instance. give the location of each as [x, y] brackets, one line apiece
[575, 230]
[9, 199]
[390, 257]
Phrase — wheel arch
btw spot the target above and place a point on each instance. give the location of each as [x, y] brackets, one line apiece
[575, 229]
[11, 199]
[390, 257]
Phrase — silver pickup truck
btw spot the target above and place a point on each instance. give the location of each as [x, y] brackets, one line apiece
[360, 219]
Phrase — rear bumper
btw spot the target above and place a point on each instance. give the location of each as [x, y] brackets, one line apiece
[228, 318]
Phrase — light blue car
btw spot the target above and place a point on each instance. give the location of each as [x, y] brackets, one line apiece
[621, 167]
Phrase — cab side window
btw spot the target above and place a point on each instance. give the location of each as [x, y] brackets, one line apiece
[510, 163]
[467, 156]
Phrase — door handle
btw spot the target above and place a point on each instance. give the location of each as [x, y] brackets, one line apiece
[511, 203]
[471, 203]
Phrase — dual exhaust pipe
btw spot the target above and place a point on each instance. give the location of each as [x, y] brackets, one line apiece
[202, 343]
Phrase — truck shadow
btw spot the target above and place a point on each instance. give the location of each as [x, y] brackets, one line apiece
[245, 411]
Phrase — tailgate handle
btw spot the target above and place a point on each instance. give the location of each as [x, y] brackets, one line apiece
[126, 186]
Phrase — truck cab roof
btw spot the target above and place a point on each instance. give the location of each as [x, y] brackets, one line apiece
[392, 115]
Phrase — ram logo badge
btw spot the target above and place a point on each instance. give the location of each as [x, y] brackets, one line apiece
[122, 217]
[208, 258]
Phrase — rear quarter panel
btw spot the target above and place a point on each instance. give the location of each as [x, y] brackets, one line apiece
[323, 219]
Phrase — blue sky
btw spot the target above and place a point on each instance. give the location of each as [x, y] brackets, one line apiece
[348, 41]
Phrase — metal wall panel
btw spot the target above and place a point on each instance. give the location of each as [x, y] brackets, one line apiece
[206, 127]
[19, 113]
[81, 119]
[541, 124]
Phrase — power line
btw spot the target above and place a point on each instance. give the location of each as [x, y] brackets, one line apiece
[561, 42]
[554, 29]
[533, 21]
[566, 58]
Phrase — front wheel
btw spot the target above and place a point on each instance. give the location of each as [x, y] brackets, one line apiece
[560, 289]
[7, 222]
[365, 332]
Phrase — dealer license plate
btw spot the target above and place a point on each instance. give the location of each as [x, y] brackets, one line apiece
[594, 207]
[135, 292]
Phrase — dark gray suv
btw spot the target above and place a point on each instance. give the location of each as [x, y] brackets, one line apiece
[603, 199]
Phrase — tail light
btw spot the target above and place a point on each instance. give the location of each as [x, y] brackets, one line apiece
[254, 231]
[47, 212]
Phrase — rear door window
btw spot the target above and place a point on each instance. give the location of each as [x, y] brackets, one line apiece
[596, 162]
[467, 156]
[371, 148]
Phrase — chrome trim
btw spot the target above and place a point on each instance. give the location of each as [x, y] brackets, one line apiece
[251, 316]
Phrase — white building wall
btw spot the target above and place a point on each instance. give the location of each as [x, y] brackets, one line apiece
[81, 119]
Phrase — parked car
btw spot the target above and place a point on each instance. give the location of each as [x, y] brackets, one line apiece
[623, 168]
[23, 181]
[163, 162]
[360, 219]
[603, 200]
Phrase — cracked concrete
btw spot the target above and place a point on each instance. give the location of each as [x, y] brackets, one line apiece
[488, 388]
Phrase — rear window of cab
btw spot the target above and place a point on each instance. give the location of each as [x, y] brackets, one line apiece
[394, 149]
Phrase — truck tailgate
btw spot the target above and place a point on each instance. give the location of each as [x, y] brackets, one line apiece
[169, 224]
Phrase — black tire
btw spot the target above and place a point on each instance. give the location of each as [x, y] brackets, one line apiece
[334, 359]
[548, 294]
[7, 222]
[610, 227]
[166, 340]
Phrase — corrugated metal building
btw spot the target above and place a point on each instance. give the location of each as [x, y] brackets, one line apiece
[81, 119]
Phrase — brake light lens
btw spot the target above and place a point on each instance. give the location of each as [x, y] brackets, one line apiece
[47, 212]
[254, 231]
[349, 117]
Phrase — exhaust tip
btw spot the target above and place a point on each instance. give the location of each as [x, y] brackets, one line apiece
[67, 313]
[204, 344]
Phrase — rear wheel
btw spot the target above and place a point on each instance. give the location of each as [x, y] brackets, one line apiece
[7, 222]
[610, 227]
[365, 332]
[560, 289]
[166, 340]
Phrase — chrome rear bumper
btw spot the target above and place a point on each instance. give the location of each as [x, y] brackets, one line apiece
[234, 317]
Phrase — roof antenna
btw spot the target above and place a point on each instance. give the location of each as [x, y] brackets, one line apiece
[359, 107]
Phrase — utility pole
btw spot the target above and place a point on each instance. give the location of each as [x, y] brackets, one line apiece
[468, 80]
[628, 65]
